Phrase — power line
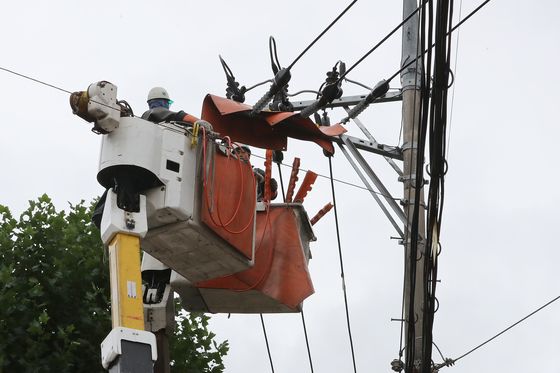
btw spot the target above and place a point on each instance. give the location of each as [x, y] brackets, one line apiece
[335, 179]
[34, 80]
[321, 34]
[342, 268]
[302, 314]
[450, 31]
[455, 77]
[380, 42]
[267, 345]
[307, 341]
[54, 87]
[506, 329]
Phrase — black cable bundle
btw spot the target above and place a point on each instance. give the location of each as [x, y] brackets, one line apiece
[434, 28]
[437, 168]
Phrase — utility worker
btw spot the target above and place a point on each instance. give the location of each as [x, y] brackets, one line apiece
[244, 153]
[159, 102]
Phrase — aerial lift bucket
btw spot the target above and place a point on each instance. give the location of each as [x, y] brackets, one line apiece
[165, 163]
[277, 283]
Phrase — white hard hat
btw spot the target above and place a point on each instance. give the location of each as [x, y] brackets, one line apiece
[158, 92]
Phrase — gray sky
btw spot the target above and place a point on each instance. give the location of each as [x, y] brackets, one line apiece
[499, 260]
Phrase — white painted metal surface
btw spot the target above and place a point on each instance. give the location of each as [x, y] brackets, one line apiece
[111, 347]
[116, 220]
[165, 167]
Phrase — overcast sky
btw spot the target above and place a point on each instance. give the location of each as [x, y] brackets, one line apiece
[500, 258]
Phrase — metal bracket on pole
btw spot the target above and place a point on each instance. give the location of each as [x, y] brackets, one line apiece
[373, 194]
[411, 179]
[374, 142]
[350, 100]
[378, 184]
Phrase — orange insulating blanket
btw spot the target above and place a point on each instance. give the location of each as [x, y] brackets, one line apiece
[228, 201]
[280, 271]
[268, 129]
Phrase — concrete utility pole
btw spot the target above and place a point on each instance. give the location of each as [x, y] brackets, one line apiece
[410, 82]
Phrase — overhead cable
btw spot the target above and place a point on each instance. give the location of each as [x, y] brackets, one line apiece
[335, 179]
[267, 345]
[343, 76]
[342, 276]
[35, 80]
[321, 34]
[283, 76]
[450, 31]
[505, 330]
[307, 341]
[278, 162]
[455, 72]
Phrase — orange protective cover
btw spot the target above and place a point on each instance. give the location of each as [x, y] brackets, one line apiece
[268, 129]
[280, 269]
[228, 201]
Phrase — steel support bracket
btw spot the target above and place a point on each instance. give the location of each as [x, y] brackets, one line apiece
[411, 179]
[350, 100]
[393, 152]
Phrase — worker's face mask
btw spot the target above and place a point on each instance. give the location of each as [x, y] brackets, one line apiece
[159, 103]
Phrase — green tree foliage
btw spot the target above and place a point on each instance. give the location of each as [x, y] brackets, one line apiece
[194, 349]
[54, 297]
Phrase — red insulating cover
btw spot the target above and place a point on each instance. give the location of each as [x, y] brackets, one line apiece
[268, 129]
[280, 269]
[228, 201]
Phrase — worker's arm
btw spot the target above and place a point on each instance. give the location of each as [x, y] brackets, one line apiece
[187, 117]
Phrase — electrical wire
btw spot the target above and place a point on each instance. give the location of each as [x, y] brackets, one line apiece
[455, 72]
[506, 329]
[35, 80]
[305, 91]
[380, 42]
[321, 34]
[259, 84]
[335, 179]
[302, 314]
[52, 86]
[342, 267]
[450, 31]
[307, 341]
[358, 83]
[267, 345]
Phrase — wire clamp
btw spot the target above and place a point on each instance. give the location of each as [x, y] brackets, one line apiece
[397, 365]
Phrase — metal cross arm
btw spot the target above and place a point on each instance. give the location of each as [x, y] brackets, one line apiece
[374, 147]
[350, 100]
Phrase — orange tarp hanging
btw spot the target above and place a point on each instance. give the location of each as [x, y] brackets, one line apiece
[280, 271]
[268, 129]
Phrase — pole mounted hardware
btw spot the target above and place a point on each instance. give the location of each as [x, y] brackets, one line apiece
[332, 90]
[283, 76]
[233, 91]
[378, 91]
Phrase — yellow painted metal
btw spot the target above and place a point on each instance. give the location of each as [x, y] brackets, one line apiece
[127, 309]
